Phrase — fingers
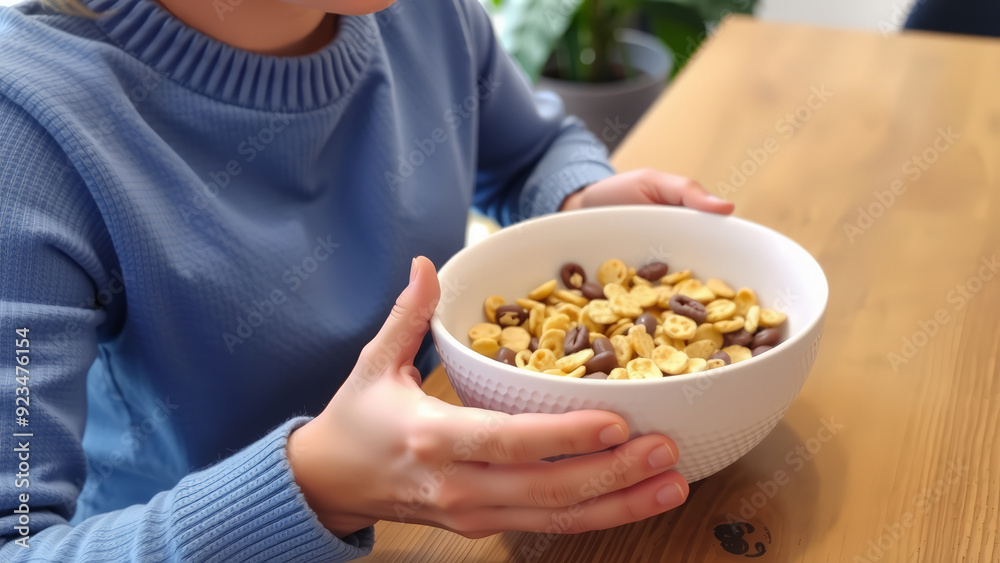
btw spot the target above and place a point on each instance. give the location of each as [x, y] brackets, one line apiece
[570, 481]
[398, 341]
[671, 189]
[466, 434]
[653, 496]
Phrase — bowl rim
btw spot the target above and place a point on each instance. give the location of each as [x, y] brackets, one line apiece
[437, 326]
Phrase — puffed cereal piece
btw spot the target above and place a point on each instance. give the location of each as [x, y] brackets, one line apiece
[522, 357]
[661, 354]
[553, 340]
[642, 342]
[730, 325]
[573, 361]
[738, 353]
[515, 338]
[745, 298]
[625, 306]
[612, 271]
[599, 310]
[770, 318]
[701, 349]
[529, 304]
[623, 348]
[554, 371]
[570, 310]
[719, 310]
[542, 359]
[675, 364]
[716, 363]
[643, 295]
[556, 321]
[695, 365]
[613, 290]
[675, 277]
[592, 326]
[700, 294]
[620, 327]
[577, 373]
[618, 373]
[569, 296]
[720, 288]
[643, 368]
[487, 347]
[490, 306]
[484, 330]
[753, 319]
[542, 291]
[678, 327]
[707, 331]
[536, 317]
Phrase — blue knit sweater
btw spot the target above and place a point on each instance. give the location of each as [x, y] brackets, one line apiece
[197, 241]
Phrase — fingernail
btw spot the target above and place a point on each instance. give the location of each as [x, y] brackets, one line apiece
[613, 434]
[716, 199]
[671, 495]
[413, 270]
[661, 456]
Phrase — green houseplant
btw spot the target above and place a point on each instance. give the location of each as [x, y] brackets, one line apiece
[590, 52]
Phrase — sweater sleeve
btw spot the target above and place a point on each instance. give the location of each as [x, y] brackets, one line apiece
[531, 155]
[55, 256]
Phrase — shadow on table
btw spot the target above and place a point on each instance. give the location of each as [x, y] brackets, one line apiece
[742, 511]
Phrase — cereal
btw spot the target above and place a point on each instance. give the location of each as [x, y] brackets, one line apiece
[542, 359]
[653, 271]
[618, 373]
[573, 276]
[689, 307]
[511, 315]
[612, 271]
[676, 277]
[505, 356]
[543, 291]
[642, 342]
[719, 310]
[678, 327]
[486, 346]
[744, 299]
[484, 330]
[600, 311]
[573, 361]
[738, 353]
[770, 318]
[577, 339]
[626, 324]
[701, 349]
[720, 288]
[625, 306]
[643, 368]
[695, 365]
[490, 307]
[515, 338]
[623, 348]
[553, 340]
[753, 319]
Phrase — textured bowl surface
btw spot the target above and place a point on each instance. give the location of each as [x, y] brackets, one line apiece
[715, 417]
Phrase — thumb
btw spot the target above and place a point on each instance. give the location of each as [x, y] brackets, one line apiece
[396, 344]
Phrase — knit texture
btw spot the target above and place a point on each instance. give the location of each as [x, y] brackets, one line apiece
[200, 240]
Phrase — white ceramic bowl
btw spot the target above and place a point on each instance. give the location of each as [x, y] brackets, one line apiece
[716, 416]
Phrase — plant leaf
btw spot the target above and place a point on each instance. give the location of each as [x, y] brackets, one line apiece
[681, 29]
[713, 10]
[531, 29]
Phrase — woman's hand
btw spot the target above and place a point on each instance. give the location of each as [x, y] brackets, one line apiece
[382, 449]
[647, 186]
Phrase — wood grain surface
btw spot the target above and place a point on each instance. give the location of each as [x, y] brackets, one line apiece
[881, 156]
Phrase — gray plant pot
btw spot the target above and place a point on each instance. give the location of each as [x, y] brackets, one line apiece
[611, 109]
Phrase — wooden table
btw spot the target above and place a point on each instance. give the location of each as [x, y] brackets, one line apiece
[880, 155]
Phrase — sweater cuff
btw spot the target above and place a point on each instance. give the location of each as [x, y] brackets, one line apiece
[548, 195]
[249, 508]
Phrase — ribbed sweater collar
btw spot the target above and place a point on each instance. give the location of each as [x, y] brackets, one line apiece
[281, 84]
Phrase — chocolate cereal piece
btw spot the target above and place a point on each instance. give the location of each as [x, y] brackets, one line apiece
[506, 356]
[684, 305]
[720, 355]
[511, 315]
[596, 375]
[766, 337]
[603, 344]
[760, 350]
[652, 272]
[605, 361]
[649, 321]
[592, 290]
[533, 344]
[573, 275]
[577, 339]
[738, 338]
